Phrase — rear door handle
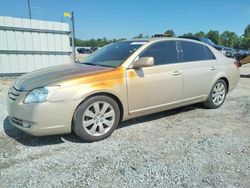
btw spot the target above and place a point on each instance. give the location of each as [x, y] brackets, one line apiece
[213, 68]
[176, 73]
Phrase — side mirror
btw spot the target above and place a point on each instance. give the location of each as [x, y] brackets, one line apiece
[143, 62]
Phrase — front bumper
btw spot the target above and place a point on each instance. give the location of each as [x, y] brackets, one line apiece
[38, 119]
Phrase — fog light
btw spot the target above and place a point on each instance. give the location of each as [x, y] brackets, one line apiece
[27, 124]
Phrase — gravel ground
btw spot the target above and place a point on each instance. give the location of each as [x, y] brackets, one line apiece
[186, 147]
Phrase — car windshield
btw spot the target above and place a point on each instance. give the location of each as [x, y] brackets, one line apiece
[207, 41]
[113, 55]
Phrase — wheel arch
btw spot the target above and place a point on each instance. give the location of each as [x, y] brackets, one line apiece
[108, 94]
[222, 76]
[114, 97]
[226, 81]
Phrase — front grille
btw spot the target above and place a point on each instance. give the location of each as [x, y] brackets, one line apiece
[14, 93]
[16, 121]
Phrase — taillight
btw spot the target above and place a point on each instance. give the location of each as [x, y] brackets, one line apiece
[237, 64]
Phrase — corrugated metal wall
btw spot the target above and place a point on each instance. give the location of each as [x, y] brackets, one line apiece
[27, 45]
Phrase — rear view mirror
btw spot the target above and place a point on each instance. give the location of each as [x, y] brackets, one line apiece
[143, 62]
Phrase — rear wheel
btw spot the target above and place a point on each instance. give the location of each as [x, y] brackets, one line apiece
[217, 95]
[96, 118]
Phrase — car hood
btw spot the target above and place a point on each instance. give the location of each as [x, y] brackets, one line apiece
[54, 75]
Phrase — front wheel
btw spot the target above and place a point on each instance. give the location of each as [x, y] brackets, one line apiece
[96, 118]
[217, 95]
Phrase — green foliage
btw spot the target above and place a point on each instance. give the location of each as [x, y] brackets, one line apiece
[239, 43]
[246, 39]
[188, 34]
[227, 38]
[214, 36]
[200, 34]
[140, 36]
[95, 42]
[247, 32]
[170, 33]
[246, 43]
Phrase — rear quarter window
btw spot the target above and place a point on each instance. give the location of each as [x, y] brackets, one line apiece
[210, 54]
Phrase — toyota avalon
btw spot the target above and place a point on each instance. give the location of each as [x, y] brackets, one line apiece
[120, 81]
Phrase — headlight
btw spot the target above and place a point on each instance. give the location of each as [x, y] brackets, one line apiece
[40, 94]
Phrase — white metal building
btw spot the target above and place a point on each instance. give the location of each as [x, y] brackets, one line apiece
[27, 45]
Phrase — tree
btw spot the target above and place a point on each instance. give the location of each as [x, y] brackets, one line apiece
[214, 36]
[228, 39]
[246, 39]
[78, 42]
[138, 36]
[247, 32]
[200, 34]
[239, 43]
[246, 43]
[95, 42]
[170, 33]
[188, 34]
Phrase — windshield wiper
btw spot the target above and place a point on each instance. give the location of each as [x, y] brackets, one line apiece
[87, 63]
[96, 64]
[107, 66]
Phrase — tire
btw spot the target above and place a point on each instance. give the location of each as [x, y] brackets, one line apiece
[217, 95]
[96, 118]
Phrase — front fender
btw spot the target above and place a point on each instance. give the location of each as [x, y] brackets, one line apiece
[80, 92]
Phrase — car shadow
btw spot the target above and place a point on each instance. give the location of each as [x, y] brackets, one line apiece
[159, 115]
[29, 140]
[34, 141]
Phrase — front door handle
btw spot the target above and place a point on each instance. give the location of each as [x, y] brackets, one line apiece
[176, 73]
[213, 68]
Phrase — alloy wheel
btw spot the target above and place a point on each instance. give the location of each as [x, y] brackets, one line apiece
[218, 93]
[98, 118]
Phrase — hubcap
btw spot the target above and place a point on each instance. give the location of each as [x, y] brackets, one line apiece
[98, 118]
[218, 93]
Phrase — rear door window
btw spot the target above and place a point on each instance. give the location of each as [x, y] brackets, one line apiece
[195, 52]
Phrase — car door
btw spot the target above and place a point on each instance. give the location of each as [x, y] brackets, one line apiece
[198, 68]
[157, 86]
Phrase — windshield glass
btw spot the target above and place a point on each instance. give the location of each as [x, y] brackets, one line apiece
[113, 55]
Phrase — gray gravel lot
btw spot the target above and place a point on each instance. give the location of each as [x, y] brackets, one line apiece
[186, 147]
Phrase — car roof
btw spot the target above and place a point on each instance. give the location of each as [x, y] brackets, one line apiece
[156, 39]
[191, 37]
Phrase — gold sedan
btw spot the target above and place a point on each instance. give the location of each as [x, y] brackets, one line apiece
[118, 82]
